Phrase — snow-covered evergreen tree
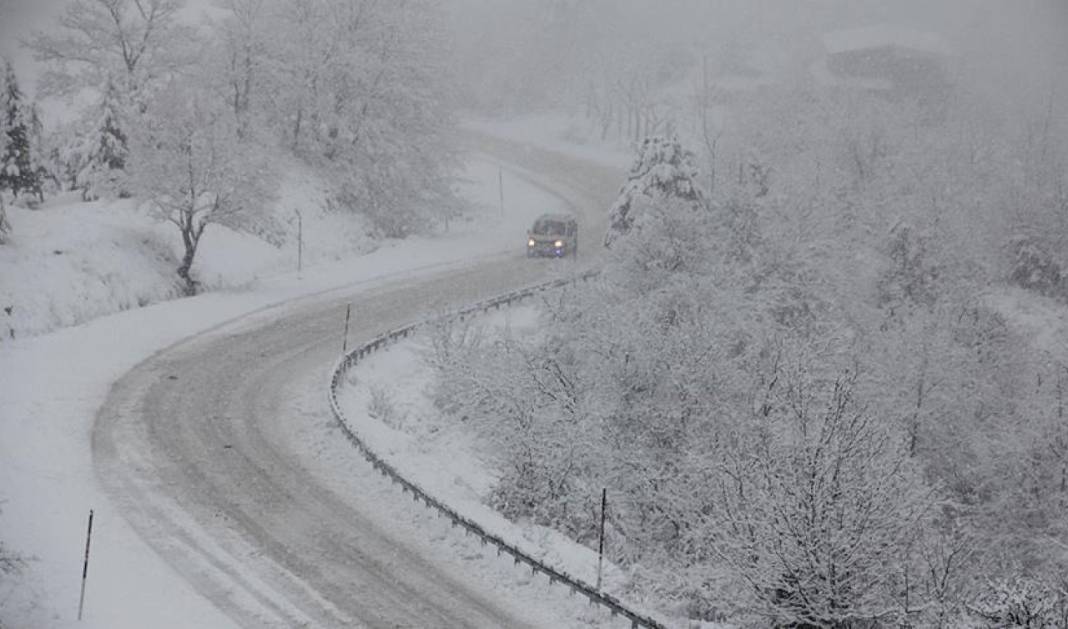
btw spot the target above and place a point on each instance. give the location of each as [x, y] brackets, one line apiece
[663, 171]
[17, 173]
[104, 173]
[40, 160]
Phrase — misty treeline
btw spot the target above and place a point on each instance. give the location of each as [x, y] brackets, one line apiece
[798, 378]
[200, 120]
[635, 67]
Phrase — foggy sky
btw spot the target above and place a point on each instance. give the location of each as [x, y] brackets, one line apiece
[1012, 50]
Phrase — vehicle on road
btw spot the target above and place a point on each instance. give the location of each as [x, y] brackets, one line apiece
[553, 235]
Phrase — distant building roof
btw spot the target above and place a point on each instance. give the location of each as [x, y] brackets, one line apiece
[865, 38]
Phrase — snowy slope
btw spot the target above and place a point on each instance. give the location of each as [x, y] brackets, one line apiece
[556, 131]
[70, 262]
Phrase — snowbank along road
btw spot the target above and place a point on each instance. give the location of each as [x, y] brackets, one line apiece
[213, 450]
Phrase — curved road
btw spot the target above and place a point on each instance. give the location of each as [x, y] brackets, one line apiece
[200, 447]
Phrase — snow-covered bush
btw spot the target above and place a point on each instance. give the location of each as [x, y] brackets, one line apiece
[818, 502]
[1034, 268]
[910, 279]
[11, 566]
[1021, 601]
[527, 405]
[452, 345]
[382, 407]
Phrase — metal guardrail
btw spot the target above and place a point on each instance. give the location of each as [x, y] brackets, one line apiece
[612, 604]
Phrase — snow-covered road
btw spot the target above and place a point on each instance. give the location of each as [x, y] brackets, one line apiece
[221, 453]
[193, 446]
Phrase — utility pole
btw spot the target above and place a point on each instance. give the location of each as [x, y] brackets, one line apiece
[300, 242]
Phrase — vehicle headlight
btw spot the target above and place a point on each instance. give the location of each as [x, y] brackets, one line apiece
[531, 243]
[559, 244]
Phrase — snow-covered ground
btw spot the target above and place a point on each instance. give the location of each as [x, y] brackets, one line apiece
[52, 385]
[69, 262]
[1042, 321]
[560, 132]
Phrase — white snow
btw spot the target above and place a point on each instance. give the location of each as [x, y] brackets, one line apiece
[1040, 320]
[51, 386]
[558, 132]
[70, 261]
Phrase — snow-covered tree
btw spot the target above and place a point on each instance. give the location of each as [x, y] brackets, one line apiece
[818, 502]
[240, 64]
[188, 166]
[359, 88]
[1023, 601]
[17, 171]
[138, 43]
[105, 171]
[42, 154]
[662, 171]
[72, 143]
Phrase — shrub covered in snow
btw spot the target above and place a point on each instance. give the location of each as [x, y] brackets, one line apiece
[1034, 268]
[1019, 601]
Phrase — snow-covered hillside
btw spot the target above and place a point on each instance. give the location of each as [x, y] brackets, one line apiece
[69, 261]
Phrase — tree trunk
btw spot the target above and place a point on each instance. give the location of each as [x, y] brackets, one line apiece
[190, 239]
[190, 287]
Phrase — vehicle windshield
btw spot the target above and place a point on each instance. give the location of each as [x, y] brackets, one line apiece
[547, 227]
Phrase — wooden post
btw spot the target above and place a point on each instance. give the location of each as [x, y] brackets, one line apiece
[85, 564]
[500, 186]
[345, 341]
[300, 242]
[600, 544]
